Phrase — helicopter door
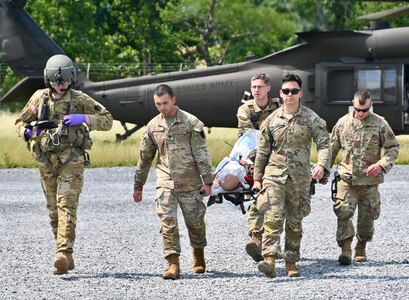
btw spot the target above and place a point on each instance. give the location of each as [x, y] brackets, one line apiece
[337, 83]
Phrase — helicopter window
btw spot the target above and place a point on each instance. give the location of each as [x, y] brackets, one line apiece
[381, 83]
[339, 84]
[370, 80]
[390, 77]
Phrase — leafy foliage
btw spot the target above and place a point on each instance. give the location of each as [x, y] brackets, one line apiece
[225, 31]
[135, 37]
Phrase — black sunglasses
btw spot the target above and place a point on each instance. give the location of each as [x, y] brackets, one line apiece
[293, 91]
[362, 109]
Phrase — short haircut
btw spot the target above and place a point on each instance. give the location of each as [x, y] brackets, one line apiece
[362, 96]
[262, 76]
[292, 77]
[163, 89]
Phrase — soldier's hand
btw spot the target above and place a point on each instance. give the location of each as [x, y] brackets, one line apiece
[76, 119]
[373, 170]
[257, 185]
[137, 196]
[28, 133]
[205, 190]
[317, 173]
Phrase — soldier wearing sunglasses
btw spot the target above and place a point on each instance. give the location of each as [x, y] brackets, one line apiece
[360, 135]
[282, 172]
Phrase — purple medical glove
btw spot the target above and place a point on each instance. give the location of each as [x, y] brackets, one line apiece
[28, 133]
[75, 119]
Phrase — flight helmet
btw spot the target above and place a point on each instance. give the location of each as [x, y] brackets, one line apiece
[59, 68]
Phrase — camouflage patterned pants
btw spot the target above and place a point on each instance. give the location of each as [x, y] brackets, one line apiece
[193, 210]
[348, 198]
[62, 192]
[255, 221]
[283, 203]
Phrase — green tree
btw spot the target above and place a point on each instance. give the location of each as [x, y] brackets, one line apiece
[329, 15]
[71, 25]
[365, 8]
[7, 81]
[134, 31]
[105, 30]
[138, 35]
[224, 31]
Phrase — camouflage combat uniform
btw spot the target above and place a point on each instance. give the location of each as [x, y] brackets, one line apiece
[244, 116]
[183, 163]
[251, 111]
[361, 143]
[283, 165]
[61, 155]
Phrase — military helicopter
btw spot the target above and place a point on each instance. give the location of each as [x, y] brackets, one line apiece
[332, 66]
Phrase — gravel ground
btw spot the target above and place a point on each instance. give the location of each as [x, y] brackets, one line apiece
[118, 248]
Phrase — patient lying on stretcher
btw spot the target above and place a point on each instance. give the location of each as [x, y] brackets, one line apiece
[233, 176]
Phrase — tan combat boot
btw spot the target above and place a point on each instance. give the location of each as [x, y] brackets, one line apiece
[71, 264]
[268, 267]
[199, 265]
[61, 263]
[292, 270]
[360, 254]
[345, 257]
[253, 248]
[173, 270]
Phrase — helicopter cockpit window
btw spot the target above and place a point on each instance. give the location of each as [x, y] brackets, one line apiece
[381, 83]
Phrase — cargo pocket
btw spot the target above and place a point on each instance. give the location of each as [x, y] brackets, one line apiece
[159, 193]
[305, 205]
[158, 200]
[375, 207]
[262, 202]
[198, 197]
[36, 152]
[341, 206]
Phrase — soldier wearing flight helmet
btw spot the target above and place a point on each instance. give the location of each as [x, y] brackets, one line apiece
[55, 123]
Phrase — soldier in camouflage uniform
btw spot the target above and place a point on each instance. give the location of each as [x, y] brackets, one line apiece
[60, 151]
[184, 176]
[253, 112]
[283, 174]
[361, 135]
[251, 115]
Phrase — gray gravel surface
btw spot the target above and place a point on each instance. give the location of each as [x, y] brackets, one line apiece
[118, 248]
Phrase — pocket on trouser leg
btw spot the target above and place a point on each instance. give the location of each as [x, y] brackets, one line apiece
[375, 211]
[262, 202]
[341, 205]
[194, 208]
[159, 200]
[305, 205]
[375, 203]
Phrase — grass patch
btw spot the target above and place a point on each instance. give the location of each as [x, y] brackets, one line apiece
[106, 152]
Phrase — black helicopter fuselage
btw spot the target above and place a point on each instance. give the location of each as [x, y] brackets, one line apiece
[332, 66]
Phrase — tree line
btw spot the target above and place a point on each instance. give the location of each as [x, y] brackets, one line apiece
[134, 37]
